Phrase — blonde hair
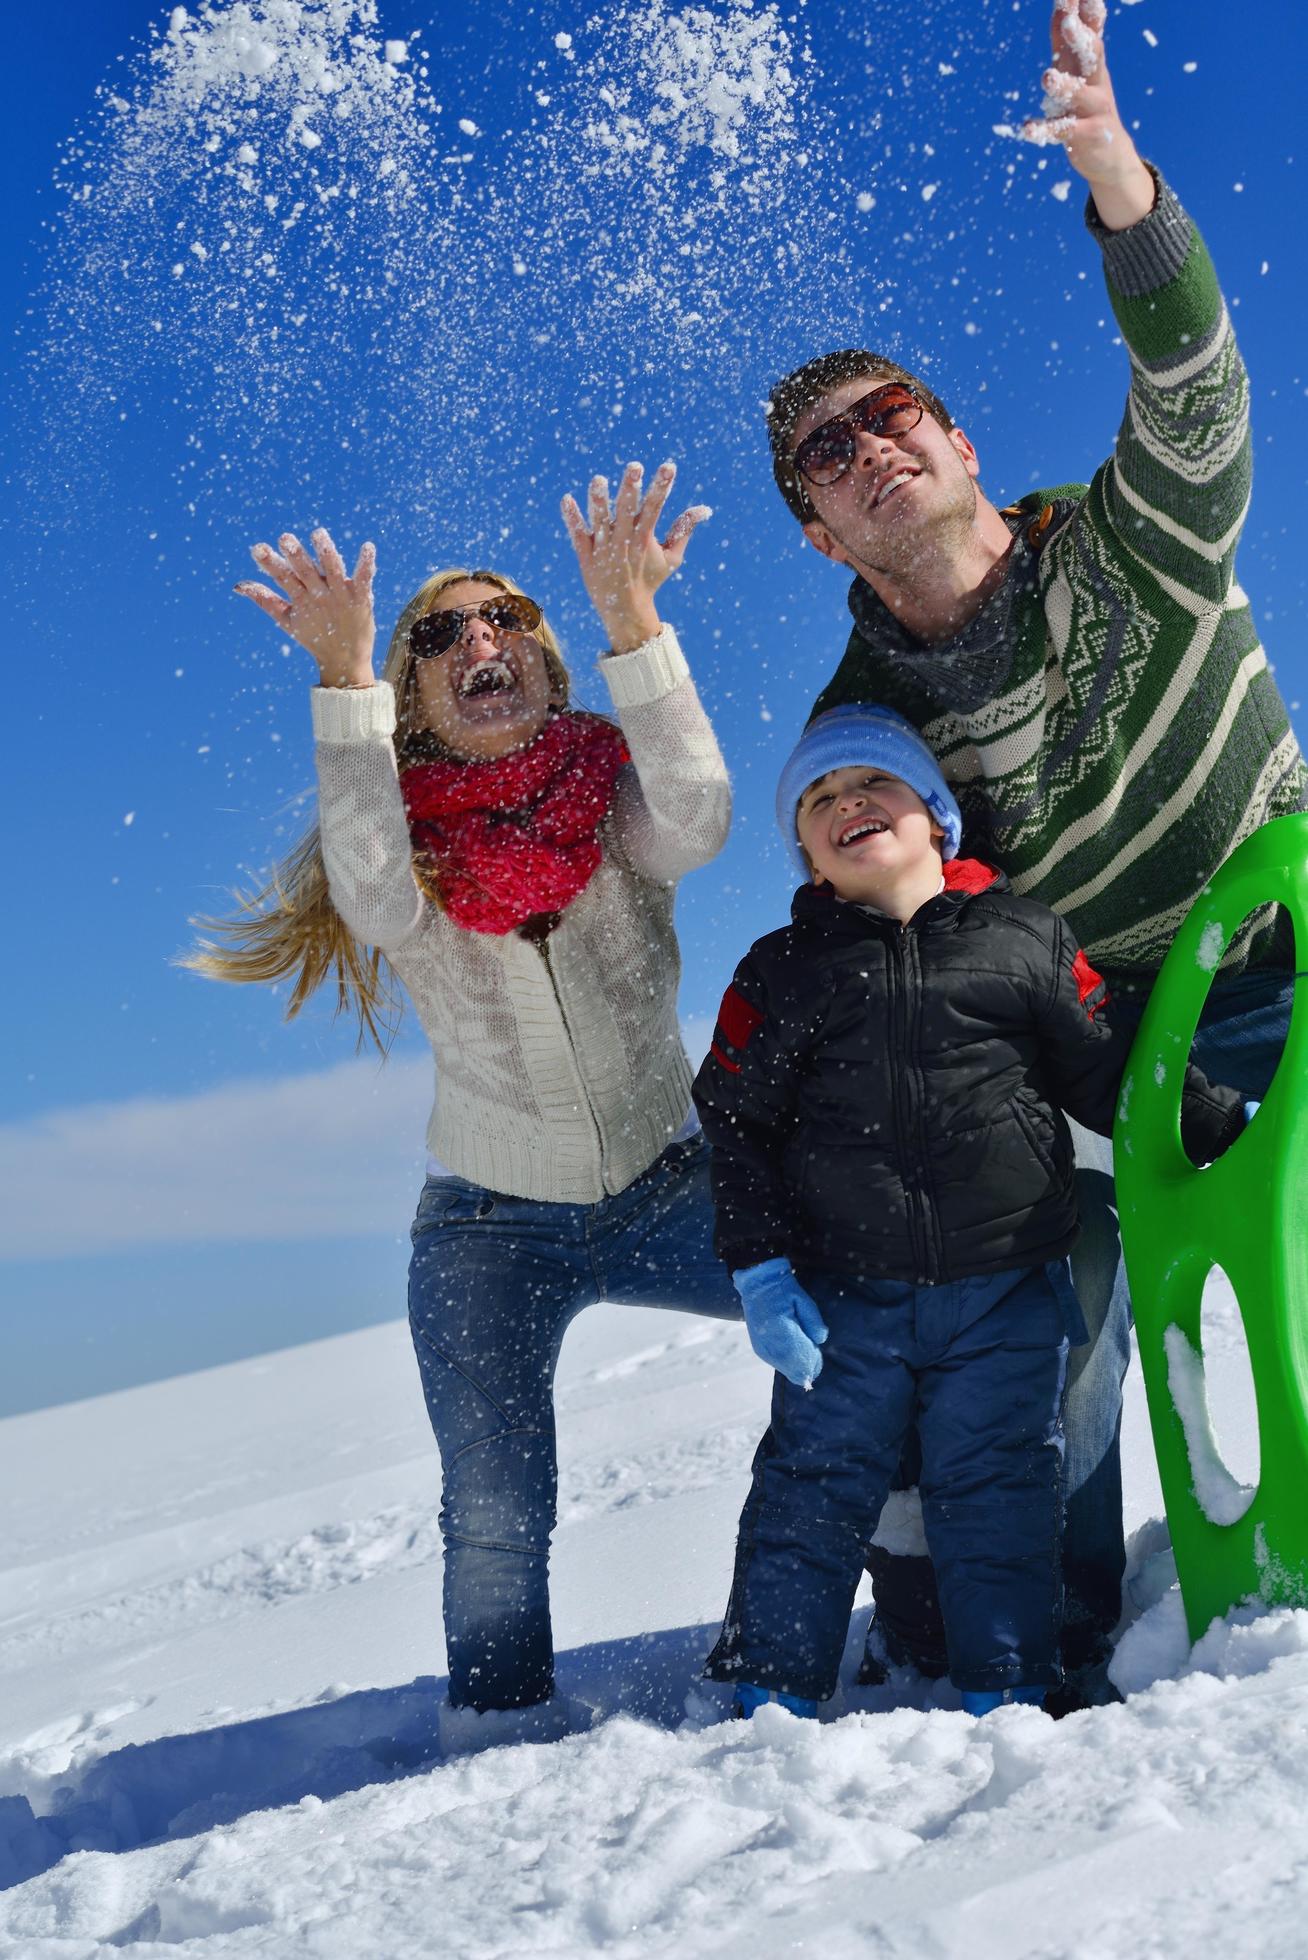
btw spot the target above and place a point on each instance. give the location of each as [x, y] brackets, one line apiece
[291, 927]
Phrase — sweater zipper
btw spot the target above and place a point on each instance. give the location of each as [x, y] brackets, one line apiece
[921, 1223]
[543, 948]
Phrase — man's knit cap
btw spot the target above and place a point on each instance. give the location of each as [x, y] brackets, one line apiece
[861, 735]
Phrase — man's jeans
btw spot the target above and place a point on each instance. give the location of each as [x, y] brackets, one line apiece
[1238, 1043]
[493, 1285]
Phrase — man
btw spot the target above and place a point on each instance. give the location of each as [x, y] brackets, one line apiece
[1089, 676]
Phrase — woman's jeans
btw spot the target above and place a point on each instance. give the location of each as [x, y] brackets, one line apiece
[493, 1284]
[978, 1366]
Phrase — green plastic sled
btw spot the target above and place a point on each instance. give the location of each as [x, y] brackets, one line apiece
[1247, 1214]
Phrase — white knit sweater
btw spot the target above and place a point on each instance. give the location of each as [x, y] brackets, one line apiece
[560, 1072]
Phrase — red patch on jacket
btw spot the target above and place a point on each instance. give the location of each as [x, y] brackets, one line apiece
[968, 875]
[1088, 985]
[738, 1019]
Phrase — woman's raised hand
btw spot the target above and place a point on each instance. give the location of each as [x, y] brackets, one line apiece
[622, 562]
[328, 610]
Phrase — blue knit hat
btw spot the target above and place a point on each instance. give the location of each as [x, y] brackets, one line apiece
[844, 738]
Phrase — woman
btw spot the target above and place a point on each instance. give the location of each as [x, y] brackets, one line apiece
[514, 861]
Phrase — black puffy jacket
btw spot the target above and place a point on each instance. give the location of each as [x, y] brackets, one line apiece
[886, 1100]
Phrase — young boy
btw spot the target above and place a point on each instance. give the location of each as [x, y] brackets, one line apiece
[893, 1184]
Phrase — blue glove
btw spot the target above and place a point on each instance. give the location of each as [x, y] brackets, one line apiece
[1251, 1109]
[784, 1325]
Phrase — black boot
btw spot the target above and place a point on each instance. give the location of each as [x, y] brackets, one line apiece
[1085, 1674]
[906, 1629]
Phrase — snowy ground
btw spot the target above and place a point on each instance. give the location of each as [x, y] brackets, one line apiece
[219, 1705]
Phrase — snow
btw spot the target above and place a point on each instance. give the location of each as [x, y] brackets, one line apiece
[1212, 944]
[219, 1676]
[699, 79]
[301, 146]
[900, 1528]
[278, 137]
[226, 55]
[220, 1654]
[1080, 34]
[1038, 132]
[1221, 1498]
[677, 137]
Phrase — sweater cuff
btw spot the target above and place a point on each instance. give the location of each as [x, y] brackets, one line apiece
[1149, 253]
[647, 673]
[353, 714]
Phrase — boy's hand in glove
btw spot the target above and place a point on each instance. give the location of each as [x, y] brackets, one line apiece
[785, 1327]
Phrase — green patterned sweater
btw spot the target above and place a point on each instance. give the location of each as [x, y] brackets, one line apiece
[1108, 720]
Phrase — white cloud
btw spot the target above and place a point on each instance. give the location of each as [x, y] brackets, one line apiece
[335, 1154]
[327, 1155]
[697, 1033]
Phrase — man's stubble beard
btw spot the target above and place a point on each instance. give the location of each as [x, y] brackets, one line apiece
[905, 551]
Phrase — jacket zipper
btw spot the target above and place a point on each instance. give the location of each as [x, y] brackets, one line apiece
[920, 1216]
[543, 948]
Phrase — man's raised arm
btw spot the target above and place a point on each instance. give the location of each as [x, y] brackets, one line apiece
[1081, 113]
[1175, 493]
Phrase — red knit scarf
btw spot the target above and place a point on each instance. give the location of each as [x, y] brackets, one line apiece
[509, 840]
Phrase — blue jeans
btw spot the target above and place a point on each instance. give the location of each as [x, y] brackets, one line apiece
[493, 1284]
[1239, 1041]
[977, 1366]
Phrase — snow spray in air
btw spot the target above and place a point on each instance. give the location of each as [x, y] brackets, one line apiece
[273, 210]
[259, 164]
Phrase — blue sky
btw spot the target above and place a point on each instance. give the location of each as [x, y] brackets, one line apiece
[190, 1178]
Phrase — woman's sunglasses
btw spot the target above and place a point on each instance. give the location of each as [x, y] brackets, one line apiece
[436, 632]
[825, 455]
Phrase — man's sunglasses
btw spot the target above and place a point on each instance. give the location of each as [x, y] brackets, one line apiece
[436, 632]
[825, 455]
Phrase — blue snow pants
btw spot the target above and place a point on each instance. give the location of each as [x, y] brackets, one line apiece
[978, 1365]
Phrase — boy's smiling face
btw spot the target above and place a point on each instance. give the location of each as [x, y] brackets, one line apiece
[867, 835]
